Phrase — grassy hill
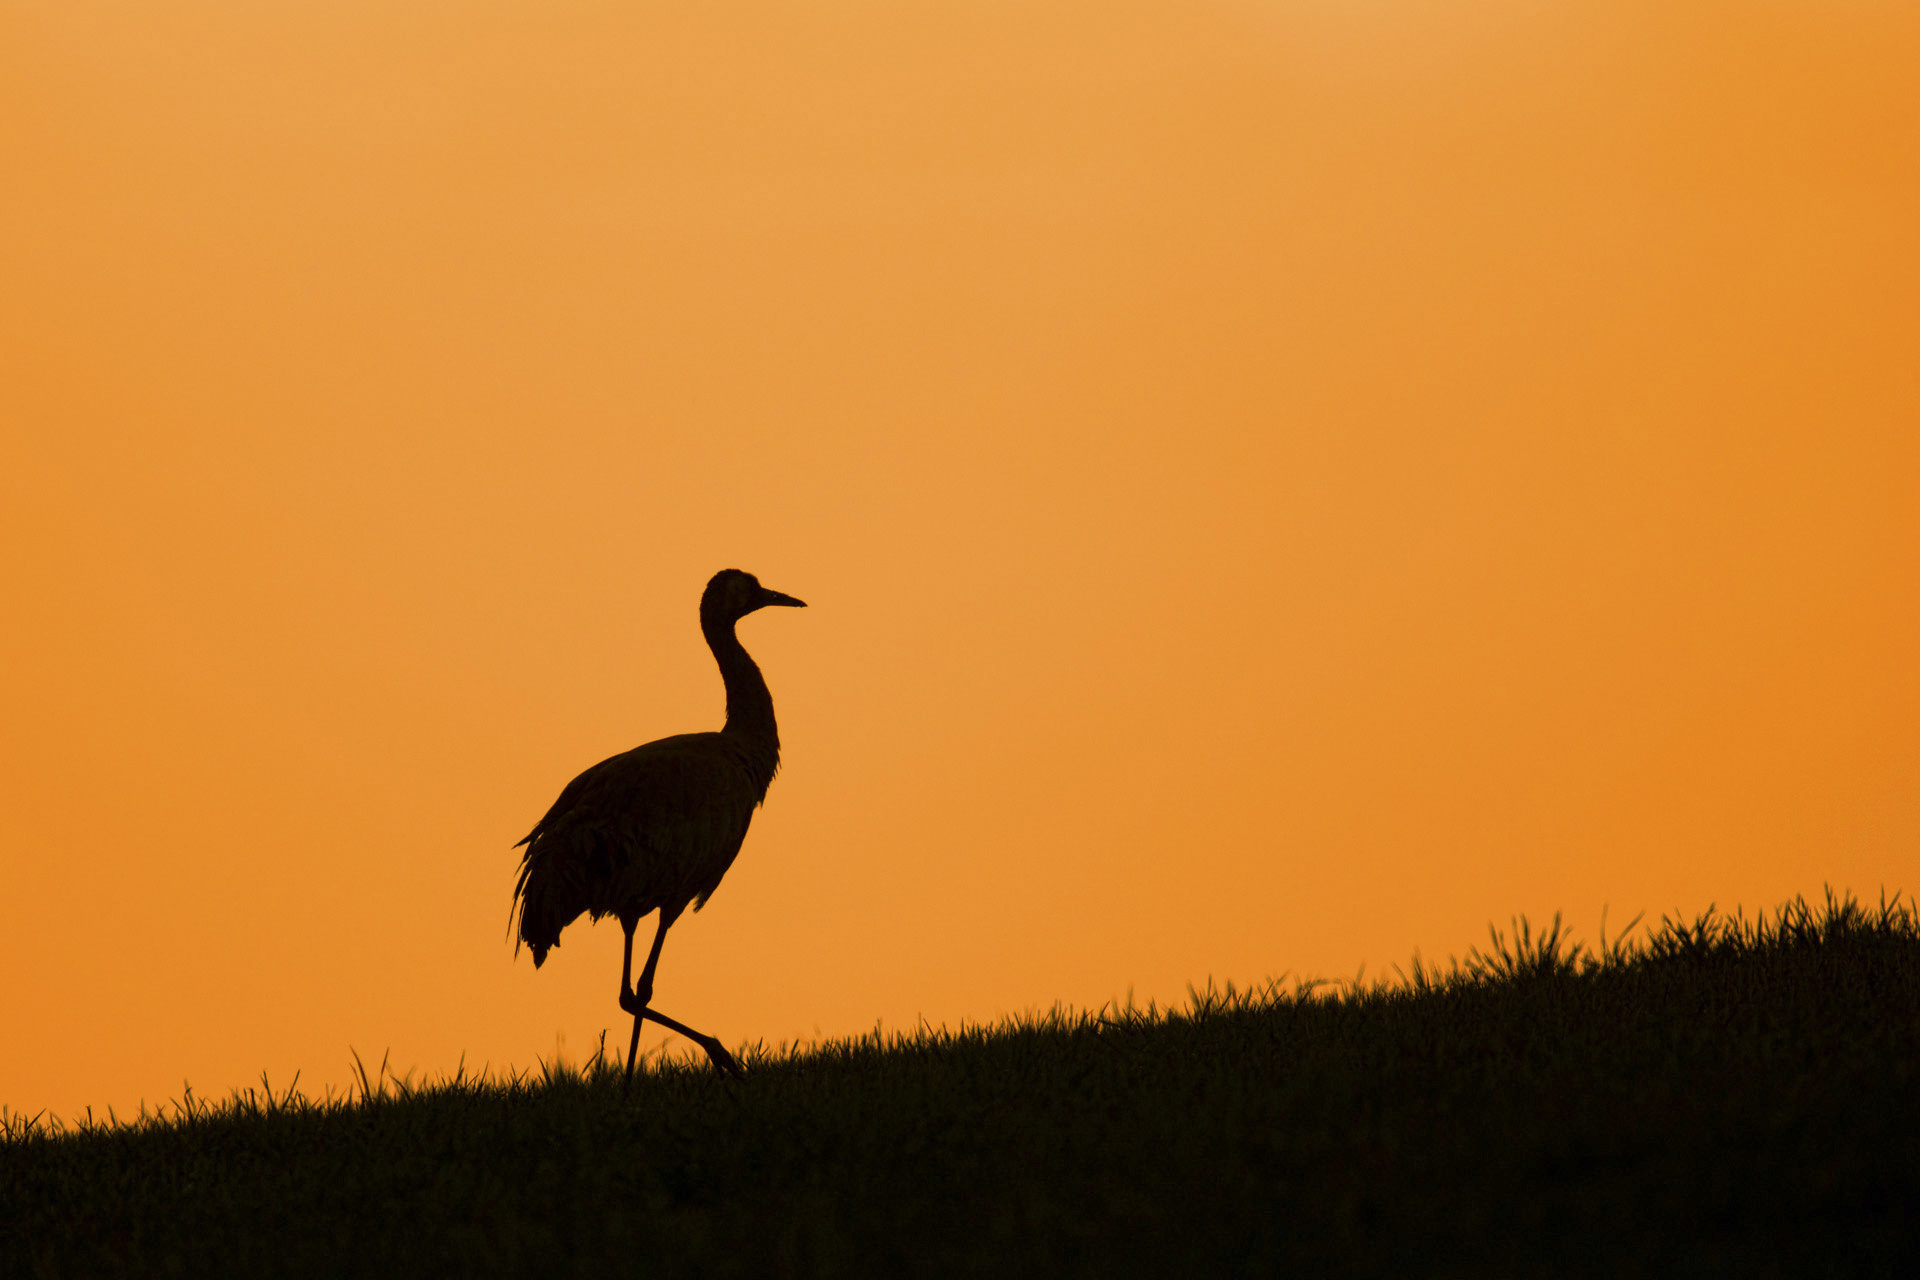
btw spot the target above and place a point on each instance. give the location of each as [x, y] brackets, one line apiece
[1720, 1097]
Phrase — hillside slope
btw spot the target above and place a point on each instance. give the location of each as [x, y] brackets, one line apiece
[1720, 1098]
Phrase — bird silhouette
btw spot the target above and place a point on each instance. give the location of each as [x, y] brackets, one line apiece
[658, 826]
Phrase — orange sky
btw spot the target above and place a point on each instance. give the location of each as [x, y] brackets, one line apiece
[1278, 485]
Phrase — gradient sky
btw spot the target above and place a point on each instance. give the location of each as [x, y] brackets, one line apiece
[1278, 485]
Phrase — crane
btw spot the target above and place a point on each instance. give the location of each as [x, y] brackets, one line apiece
[658, 826]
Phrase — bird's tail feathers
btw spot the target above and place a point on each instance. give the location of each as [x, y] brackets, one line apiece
[550, 894]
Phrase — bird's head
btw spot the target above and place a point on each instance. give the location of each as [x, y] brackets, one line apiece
[731, 595]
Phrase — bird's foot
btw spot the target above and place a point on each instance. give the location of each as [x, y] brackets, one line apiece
[723, 1062]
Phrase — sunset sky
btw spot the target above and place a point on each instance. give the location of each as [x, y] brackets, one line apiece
[1278, 486]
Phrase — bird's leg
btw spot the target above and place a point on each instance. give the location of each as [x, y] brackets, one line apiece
[633, 998]
[626, 996]
[626, 960]
[636, 1000]
[723, 1062]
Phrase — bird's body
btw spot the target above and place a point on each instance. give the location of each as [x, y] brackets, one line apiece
[655, 828]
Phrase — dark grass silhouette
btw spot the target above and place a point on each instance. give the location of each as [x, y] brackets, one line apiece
[1718, 1097]
[658, 826]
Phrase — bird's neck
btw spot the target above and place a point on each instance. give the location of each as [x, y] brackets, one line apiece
[749, 705]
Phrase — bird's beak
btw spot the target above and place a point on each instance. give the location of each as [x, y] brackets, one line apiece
[774, 597]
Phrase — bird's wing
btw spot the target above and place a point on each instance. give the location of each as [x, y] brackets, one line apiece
[667, 818]
[569, 796]
[681, 806]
